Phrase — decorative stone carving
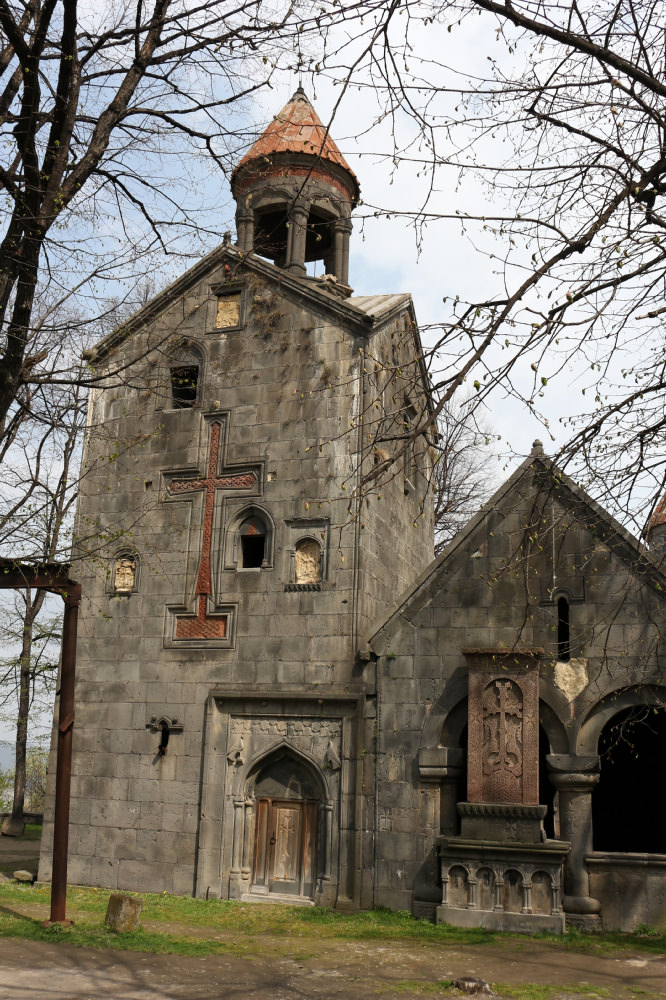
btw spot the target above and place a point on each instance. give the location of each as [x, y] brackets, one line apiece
[291, 728]
[124, 573]
[228, 311]
[331, 758]
[307, 561]
[503, 752]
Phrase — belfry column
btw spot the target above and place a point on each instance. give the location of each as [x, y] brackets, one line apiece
[298, 228]
[245, 228]
[575, 778]
[341, 232]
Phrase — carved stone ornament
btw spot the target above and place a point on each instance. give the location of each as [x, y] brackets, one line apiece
[228, 311]
[307, 561]
[503, 740]
[124, 574]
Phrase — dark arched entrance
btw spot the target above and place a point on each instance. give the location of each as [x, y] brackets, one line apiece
[626, 805]
[285, 853]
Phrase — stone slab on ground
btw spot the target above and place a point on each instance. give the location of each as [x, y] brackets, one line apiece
[122, 913]
[23, 875]
[332, 970]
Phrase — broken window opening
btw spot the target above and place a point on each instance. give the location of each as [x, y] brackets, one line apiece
[253, 549]
[184, 384]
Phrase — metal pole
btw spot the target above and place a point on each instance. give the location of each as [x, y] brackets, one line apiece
[64, 758]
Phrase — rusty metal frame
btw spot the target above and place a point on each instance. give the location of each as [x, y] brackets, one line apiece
[55, 578]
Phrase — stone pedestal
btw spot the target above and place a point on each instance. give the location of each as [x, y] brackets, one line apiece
[575, 778]
[501, 872]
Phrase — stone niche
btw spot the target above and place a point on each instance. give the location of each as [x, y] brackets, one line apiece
[501, 872]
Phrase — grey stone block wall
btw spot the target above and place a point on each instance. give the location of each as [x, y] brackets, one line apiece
[493, 589]
[286, 389]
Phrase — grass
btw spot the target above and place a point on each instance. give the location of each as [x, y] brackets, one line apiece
[536, 991]
[186, 926]
[33, 831]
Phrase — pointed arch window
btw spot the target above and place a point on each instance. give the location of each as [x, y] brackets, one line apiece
[249, 540]
[563, 630]
[184, 375]
[253, 542]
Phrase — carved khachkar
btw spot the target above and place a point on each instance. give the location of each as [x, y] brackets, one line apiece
[503, 731]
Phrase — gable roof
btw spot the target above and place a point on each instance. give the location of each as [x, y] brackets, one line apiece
[620, 541]
[366, 313]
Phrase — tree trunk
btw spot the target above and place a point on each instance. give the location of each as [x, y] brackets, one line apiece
[14, 825]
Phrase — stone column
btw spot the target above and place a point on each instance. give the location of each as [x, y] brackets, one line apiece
[298, 222]
[245, 229]
[246, 866]
[237, 849]
[326, 812]
[444, 765]
[575, 778]
[341, 232]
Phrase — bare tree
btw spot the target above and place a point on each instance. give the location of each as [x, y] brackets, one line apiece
[36, 515]
[564, 133]
[462, 476]
[97, 109]
[94, 106]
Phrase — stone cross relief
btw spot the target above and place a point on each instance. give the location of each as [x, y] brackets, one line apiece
[203, 625]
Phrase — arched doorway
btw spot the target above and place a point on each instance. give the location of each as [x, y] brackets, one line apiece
[625, 809]
[288, 798]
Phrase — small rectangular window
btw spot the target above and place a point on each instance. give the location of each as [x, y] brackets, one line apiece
[184, 382]
[228, 311]
[253, 549]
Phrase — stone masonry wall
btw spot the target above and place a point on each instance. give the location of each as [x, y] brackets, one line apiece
[135, 814]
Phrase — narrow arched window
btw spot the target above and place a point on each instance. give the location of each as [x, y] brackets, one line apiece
[253, 542]
[563, 630]
[183, 375]
[184, 386]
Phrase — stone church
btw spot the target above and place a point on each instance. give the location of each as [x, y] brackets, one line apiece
[260, 714]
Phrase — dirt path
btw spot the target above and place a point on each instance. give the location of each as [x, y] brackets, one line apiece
[342, 970]
[339, 970]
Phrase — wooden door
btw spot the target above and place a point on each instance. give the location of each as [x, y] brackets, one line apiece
[285, 847]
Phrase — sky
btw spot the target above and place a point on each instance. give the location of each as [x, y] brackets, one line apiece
[387, 253]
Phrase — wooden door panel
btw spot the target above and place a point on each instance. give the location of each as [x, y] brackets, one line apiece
[285, 847]
[287, 822]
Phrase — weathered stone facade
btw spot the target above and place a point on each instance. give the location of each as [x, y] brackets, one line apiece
[541, 576]
[236, 570]
[245, 728]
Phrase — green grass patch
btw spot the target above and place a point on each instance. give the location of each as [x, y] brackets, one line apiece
[182, 925]
[536, 991]
[33, 831]
[422, 988]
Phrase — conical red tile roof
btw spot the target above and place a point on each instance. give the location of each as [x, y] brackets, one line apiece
[659, 516]
[297, 129]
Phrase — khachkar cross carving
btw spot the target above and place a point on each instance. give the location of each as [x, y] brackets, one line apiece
[203, 625]
[502, 752]
[503, 726]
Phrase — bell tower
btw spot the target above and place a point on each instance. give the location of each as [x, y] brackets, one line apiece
[295, 193]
